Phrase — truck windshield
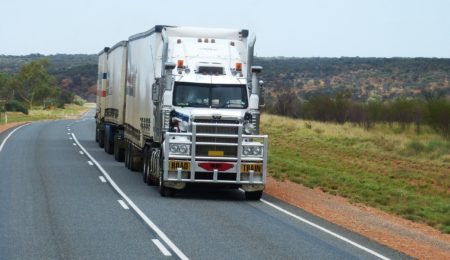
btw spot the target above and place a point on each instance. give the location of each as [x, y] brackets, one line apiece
[210, 95]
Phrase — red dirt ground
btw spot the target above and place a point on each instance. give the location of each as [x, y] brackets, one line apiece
[414, 239]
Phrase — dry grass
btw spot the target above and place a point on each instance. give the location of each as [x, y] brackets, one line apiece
[390, 168]
[36, 114]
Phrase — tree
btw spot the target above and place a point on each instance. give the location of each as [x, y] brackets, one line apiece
[33, 83]
[438, 115]
[5, 89]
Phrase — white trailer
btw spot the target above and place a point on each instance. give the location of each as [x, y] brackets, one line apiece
[101, 93]
[192, 109]
[112, 127]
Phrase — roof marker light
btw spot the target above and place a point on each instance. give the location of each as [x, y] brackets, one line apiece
[179, 41]
[232, 43]
[238, 66]
[213, 41]
[180, 64]
[199, 40]
[206, 40]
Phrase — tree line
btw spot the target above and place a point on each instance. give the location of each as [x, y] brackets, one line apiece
[32, 86]
[432, 110]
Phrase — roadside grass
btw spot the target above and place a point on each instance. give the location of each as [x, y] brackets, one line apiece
[37, 113]
[388, 167]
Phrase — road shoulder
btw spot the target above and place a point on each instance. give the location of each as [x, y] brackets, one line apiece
[415, 239]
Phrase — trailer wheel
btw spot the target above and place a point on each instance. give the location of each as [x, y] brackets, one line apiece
[118, 152]
[135, 160]
[127, 154]
[253, 195]
[96, 133]
[101, 138]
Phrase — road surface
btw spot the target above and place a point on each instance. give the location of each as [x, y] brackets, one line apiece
[63, 197]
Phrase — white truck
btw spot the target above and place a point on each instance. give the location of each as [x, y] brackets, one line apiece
[192, 102]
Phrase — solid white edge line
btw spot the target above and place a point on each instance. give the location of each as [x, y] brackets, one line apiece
[9, 135]
[161, 247]
[123, 204]
[325, 230]
[102, 179]
[136, 209]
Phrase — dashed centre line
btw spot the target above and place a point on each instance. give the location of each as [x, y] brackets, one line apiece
[123, 204]
[102, 179]
[161, 247]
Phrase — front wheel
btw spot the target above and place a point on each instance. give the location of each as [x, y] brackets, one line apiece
[165, 191]
[253, 195]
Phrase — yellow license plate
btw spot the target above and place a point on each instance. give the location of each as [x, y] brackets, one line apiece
[184, 165]
[216, 153]
[256, 167]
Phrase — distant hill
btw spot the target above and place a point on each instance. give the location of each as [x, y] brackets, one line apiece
[363, 78]
[76, 72]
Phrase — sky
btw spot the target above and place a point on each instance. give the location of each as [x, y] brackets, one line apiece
[290, 28]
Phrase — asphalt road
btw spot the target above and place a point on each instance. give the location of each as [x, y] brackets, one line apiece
[62, 197]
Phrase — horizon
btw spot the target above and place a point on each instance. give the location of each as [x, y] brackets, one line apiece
[268, 57]
[323, 28]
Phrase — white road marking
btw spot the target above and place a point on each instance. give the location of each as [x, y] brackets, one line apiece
[370, 251]
[81, 152]
[161, 247]
[70, 138]
[102, 179]
[90, 163]
[123, 204]
[136, 209]
[74, 144]
[68, 129]
[9, 135]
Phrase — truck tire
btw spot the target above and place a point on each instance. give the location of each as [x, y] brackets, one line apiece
[101, 138]
[96, 133]
[165, 191]
[109, 142]
[119, 153]
[135, 161]
[127, 154]
[253, 195]
[145, 171]
[153, 165]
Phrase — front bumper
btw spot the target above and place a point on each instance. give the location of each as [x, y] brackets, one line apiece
[237, 169]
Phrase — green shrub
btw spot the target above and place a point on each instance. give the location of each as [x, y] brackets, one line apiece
[79, 101]
[416, 146]
[16, 106]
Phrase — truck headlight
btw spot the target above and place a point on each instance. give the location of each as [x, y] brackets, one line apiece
[249, 128]
[174, 148]
[252, 151]
[181, 149]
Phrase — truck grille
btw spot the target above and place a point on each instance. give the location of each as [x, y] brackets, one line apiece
[229, 151]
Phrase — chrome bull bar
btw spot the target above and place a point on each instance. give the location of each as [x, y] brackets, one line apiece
[192, 175]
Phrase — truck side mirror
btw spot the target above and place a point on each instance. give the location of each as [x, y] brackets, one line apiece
[168, 66]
